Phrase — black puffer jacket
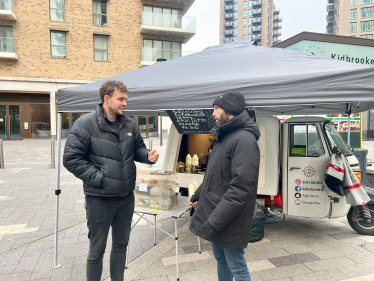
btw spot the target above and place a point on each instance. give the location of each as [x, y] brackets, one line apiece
[228, 193]
[103, 159]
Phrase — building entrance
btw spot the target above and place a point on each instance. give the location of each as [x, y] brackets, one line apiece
[10, 122]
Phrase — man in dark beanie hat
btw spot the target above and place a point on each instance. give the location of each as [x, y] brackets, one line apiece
[226, 199]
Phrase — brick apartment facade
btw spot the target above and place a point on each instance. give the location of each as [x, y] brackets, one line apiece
[247, 20]
[350, 18]
[48, 45]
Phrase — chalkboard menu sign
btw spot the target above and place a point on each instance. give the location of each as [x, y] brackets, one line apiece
[197, 121]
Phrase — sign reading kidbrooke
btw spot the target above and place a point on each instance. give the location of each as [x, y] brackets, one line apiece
[350, 53]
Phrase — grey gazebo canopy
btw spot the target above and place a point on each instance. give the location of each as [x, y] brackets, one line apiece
[275, 81]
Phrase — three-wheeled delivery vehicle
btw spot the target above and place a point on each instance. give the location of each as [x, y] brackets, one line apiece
[294, 158]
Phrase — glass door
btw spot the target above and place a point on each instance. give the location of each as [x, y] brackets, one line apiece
[10, 121]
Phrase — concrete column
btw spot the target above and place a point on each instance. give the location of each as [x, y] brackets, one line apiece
[53, 110]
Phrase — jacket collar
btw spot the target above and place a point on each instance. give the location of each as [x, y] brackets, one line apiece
[104, 122]
[236, 123]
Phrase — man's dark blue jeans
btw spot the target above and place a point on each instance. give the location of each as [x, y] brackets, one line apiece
[101, 214]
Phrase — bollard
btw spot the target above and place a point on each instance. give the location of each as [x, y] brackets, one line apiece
[53, 155]
[1, 155]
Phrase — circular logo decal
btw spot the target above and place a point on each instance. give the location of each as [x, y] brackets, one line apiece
[298, 182]
[298, 188]
[297, 195]
[309, 171]
[297, 202]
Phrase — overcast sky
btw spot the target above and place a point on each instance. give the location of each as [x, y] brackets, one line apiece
[298, 16]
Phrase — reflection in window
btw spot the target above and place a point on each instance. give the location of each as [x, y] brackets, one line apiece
[305, 141]
[101, 47]
[100, 12]
[58, 44]
[57, 10]
[40, 121]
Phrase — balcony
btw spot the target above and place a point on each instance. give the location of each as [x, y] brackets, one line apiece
[256, 30]
[229, 24]
[277, 41]
[277, 19]
[256, 21]
[229, 15]
[187, 4]
[229, 7]
[330, 18]
[8, 48]
[331, 8]
[150, 55]
[277, 34]
[276, 12]
[257, 3]
[7, 8]
[256, 37]
[329, 29]
[332, 1]
[229, 32]
[277, 26]
[169, 25]
[229, 1]
[257, 12]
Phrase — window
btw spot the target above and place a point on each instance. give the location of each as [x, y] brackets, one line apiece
[352, 27]
[305, 141]
[245, 4]
[249, 29]
[235, 31]
[244, 29]
[250, 20]
[226, 40]
[363, 2]
[367, 12]
[244, 38]
[234, 39]
[58, 44]
[165, 17]
[156, 49]
[245, 21]
[235, 22]
[250, 12]
[368, 36]
[244, 13]
[250, 3]
[235, 14]
[366, 26]
[236, 6]
[354, 14]
[6, 39]
[353, 2]
[100, 48]
[99, 12]
[57, 10]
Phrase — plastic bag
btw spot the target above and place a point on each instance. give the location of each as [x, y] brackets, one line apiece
[258, 225]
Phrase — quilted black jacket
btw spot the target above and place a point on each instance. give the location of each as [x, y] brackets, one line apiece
[228, 193]
[103, 159]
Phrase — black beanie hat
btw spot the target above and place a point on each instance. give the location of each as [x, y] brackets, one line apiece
[232, 102]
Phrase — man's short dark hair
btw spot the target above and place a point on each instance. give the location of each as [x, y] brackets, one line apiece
[108, 88]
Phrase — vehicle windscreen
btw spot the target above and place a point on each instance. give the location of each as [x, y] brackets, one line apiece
[335, 139]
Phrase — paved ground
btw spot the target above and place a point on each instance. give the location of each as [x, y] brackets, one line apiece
[296, 249]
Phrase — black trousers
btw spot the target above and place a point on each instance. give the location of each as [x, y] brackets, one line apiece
[101, 214]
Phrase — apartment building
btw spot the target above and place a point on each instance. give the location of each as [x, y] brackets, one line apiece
[48, 45]
[350, 18]
[250, 20]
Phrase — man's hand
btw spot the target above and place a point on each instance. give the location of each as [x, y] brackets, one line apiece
[194, 204]
[153, 156]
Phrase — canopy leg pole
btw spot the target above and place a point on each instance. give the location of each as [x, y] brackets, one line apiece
[349, 129]
[160, 129]
[57, 190]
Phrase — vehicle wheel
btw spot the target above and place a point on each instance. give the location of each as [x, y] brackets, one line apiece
[362, 227]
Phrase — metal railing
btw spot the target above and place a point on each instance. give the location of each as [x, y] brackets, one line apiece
[277, 34]
[8, 45]
[1, 155]
[229, 23]
[167, 20]
[229, 7]
[277, 11]
[277, 26]
[257, 3]
[258, 29]
[256, 20]
[256, 11]
[152, 54]
[229, 15]
[277, 19]
[228, 32]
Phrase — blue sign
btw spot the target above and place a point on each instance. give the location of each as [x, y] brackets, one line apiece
[298, 188]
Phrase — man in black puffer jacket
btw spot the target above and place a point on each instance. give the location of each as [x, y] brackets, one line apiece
[225, 200]
[101, 150]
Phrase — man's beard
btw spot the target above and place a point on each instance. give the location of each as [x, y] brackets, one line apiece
[114, 111]
[223, 118]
